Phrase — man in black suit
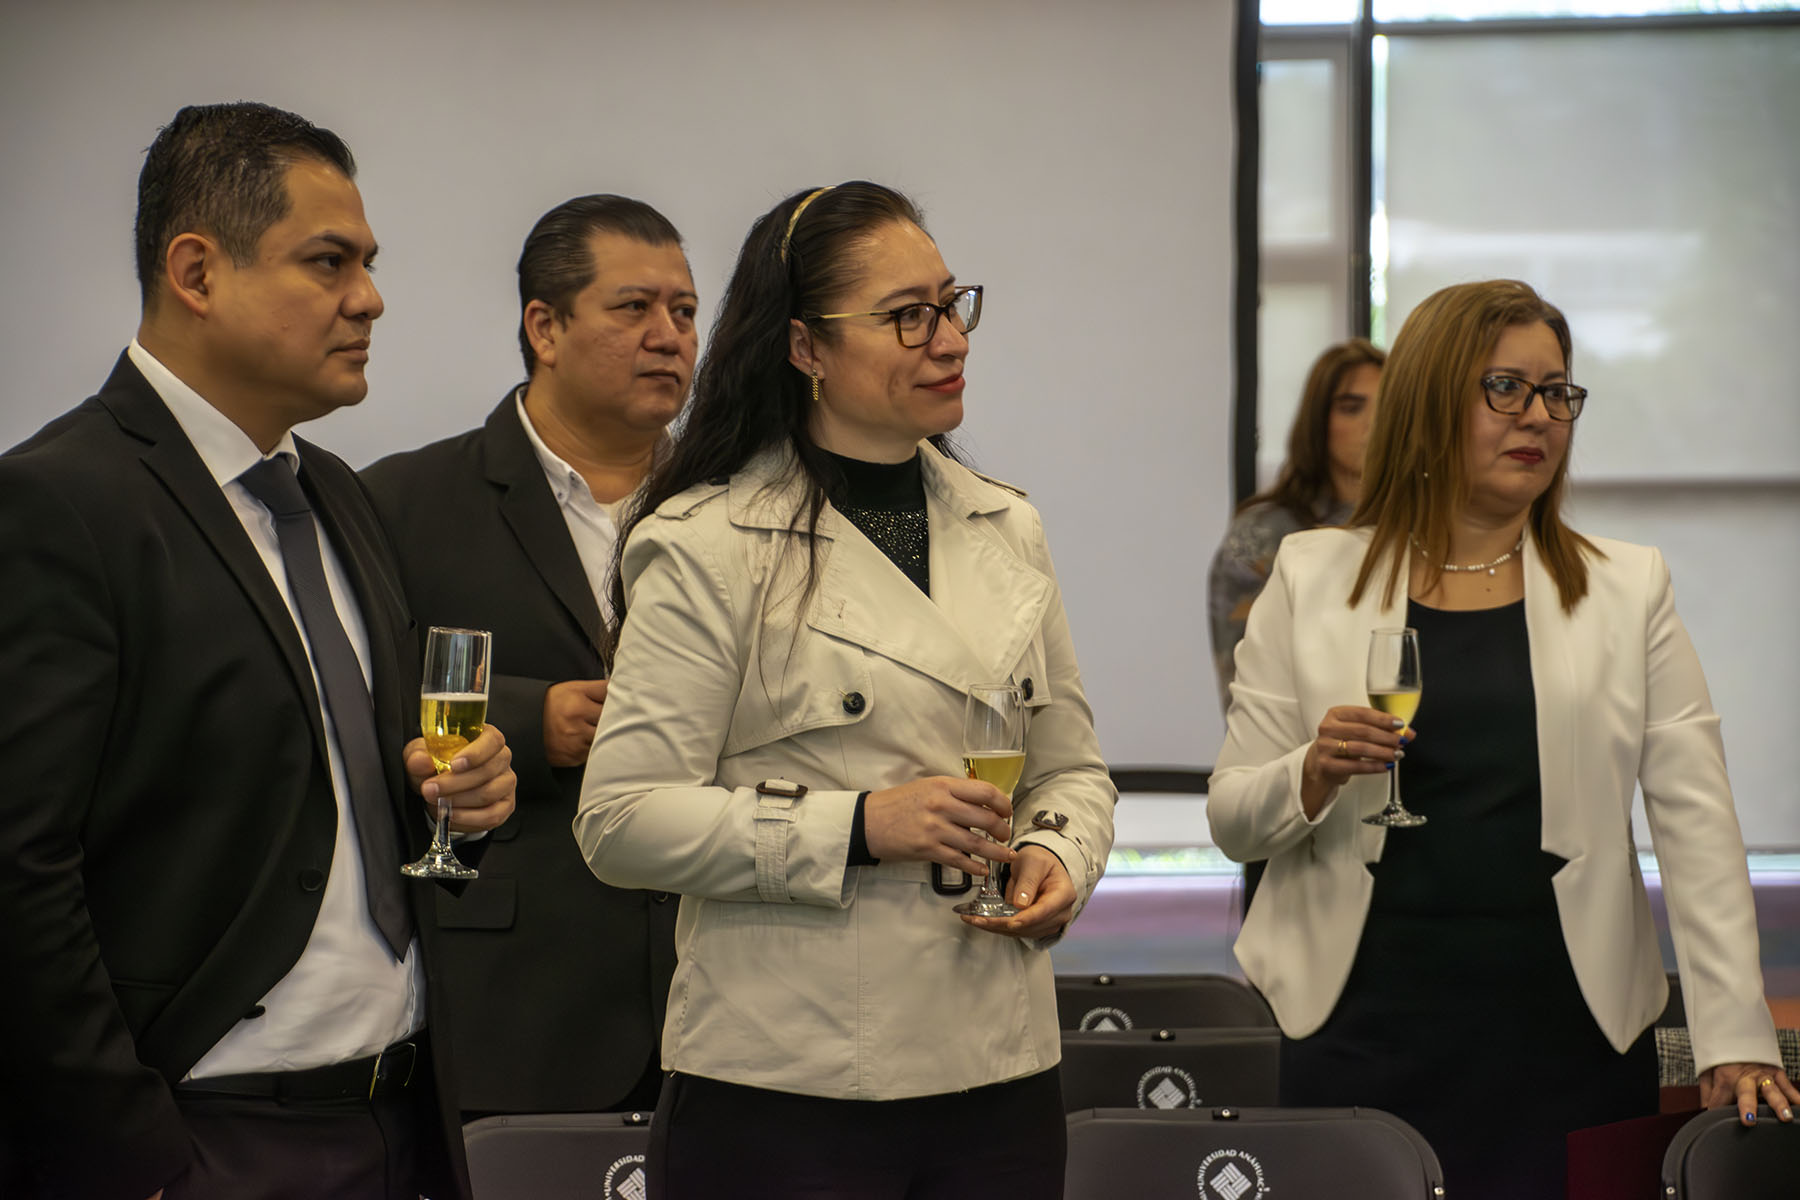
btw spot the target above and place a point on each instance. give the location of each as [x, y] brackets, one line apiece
[512, 527]
[216, 982]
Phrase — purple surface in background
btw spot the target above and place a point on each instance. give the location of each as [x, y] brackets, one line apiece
[1167, 924]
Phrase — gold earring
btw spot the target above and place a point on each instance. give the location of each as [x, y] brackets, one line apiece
[815, 385]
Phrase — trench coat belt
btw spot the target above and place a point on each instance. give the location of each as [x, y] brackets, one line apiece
[908, 872]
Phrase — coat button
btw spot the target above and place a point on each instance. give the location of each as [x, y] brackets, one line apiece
[659, 897]
[1026, 687]
[854, 703]
[256, 1010]
[312, 879]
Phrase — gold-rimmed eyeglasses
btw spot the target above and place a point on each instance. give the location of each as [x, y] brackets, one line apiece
[916, 324]
[1509, 396]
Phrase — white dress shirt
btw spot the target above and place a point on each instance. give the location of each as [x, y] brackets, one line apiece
[593, 525]
[346, 996]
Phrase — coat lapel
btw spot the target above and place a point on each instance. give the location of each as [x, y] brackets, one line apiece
[985, 600]
[529, 510]
[173, 460]
[1553, 680]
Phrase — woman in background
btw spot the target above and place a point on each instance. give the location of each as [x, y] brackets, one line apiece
[1493, 975]
[812, 587]
[1320, 482]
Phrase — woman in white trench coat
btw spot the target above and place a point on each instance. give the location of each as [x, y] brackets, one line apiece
[812, 587]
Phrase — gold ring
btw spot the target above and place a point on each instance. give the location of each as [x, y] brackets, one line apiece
[1343, 748]
[1765, 1083]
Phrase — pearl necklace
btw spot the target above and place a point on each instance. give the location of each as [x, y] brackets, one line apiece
[1489, 567]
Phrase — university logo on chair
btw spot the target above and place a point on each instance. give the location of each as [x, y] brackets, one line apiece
[1167, 1087]
[625, 1179]
[1248, 1154]
[1104, 1019]
[1231, 1175]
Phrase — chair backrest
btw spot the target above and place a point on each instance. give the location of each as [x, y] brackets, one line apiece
[1716, 1158]
[1248, 1154]
[558, 1156]
[1112, 1002]
[1170, 1068]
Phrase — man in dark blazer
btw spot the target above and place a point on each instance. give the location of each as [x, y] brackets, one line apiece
[216, 982]
[512, 527]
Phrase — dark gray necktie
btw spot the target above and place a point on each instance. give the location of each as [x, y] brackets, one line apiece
[346, 697]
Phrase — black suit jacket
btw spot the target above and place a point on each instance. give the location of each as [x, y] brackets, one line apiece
[167, 818]
[558, 981]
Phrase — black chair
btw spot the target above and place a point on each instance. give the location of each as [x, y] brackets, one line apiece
[1716, 1158]
[1170, 1068]
[1247, 1154]
[1108, 1003]
[558, 1156]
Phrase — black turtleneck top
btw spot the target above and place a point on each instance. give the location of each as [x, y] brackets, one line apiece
[886, 501]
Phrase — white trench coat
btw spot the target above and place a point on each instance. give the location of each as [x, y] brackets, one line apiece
[796, 972]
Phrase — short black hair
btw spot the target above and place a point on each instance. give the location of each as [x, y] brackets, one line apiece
[222, 169]
[558, 261]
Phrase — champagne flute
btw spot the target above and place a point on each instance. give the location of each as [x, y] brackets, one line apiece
[453, 700]
[994, 752]
[1394, 688]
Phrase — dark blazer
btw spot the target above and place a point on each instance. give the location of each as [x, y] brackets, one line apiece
[167, 819]
[558, 981]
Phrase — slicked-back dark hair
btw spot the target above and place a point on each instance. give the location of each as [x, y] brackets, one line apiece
[221, 170]
[558, 259]
[747, 395]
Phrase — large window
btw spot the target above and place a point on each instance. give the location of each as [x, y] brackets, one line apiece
[1645, 176]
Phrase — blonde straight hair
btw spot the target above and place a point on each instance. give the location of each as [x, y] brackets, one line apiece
[1414, 473]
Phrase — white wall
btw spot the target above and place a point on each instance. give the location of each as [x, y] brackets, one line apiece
[1073, 156]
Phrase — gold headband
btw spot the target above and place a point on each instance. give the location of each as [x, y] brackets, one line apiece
[795, 219]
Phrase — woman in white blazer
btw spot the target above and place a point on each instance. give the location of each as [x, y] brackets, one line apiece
[811, 590]
[1493, 975]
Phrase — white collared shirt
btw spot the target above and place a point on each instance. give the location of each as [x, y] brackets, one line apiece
[593, 525]
[346, 996]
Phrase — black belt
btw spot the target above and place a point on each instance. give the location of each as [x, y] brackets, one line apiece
[384, 1074]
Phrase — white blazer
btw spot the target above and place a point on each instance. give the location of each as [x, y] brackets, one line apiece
[1621, 700]
[796, 972]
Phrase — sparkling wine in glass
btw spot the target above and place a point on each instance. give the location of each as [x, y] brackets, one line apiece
[994, 752]
[1394, 688]
[453, 700]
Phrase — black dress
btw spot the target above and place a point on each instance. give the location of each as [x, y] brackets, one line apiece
[1462, 1014]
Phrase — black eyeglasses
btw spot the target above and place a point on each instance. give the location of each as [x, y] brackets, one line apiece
[1509, 396]
[916, 324]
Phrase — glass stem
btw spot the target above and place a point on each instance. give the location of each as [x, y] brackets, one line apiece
[440, 833]
[990, 883]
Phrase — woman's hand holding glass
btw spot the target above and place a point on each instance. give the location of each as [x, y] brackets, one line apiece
[1043, 893]
[940, 819]
[1351, 741]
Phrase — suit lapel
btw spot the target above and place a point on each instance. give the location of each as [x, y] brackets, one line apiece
[174, 461]
[1554, 647]
[529, 510]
